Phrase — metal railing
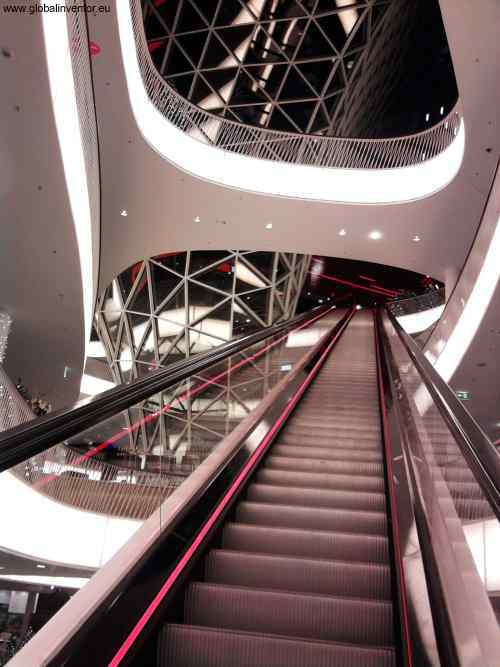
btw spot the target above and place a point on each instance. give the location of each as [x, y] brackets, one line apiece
[434, 487]
[417, 304]
[13, 408]
[26, 440]
[475, 446]
[170, 529]
[290, 147]
[93, 485]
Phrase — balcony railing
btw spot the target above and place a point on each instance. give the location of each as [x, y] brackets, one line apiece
[289, 147]
[417, 304]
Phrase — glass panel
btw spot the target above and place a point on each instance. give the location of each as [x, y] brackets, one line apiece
[472, 526]
[79, 502]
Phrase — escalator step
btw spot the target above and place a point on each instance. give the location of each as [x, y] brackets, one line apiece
[334, 438]
[322, 465]
[324, 426]
[306, 543]
[312, 518]
[472, 509]
[327, 618]
[323, 577]
[452, 474]
[465, 490]
[318, 480]
[191, 646]
[308, 497]
[334, 453]
[332, 443]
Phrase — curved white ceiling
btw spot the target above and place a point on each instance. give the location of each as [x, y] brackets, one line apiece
[56, 533]
[169, 209]
[354, 186]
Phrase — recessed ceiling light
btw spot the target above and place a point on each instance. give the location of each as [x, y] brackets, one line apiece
[247, 320]
[269, 225]
[342, 232]
[40, 566]
[416, 238]
[320, 300]
[375, 235]
[358, 307]
[197, 219]
[124, 213]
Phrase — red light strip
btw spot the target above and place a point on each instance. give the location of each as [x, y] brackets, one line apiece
[386, 437]
[190, 393]
[370, 280]
[170, 581]
[374, 290]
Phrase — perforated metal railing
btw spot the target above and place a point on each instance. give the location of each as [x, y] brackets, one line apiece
[82, 481]
[303, 149]
[417, 304]
[93, 485]
[13, 408]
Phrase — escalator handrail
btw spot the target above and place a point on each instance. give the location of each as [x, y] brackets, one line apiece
[63, 635]
[476, 447]
[456, 594]
[26, 440]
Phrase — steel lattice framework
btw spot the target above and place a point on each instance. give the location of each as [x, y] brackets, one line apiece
[176, 304]
[282, 64]
[173, 305]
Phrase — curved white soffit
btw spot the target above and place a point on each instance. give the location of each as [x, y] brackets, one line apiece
[50, 531]
[349, 186]
[471, 317]
[417, 322]
[62, 89]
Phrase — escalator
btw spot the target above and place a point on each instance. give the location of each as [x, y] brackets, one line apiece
[331, 524]
[303, 572]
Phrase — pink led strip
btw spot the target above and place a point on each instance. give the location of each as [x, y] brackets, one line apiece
[190, 393]
[237, 483]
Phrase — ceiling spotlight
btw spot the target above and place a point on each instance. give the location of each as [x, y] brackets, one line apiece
[375, 235]
[197, 219]
[358, 307]
[247, 320]
[40, 566]
[342, 232]
[124, 213]
[427, 117]
[416, 238]
[441, 111]
[269, 225]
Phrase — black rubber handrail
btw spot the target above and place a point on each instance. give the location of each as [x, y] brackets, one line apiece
[477, 449]
[27, 440]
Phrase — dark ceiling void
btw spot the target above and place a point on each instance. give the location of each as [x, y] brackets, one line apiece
[358, 68]
[346, 282]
